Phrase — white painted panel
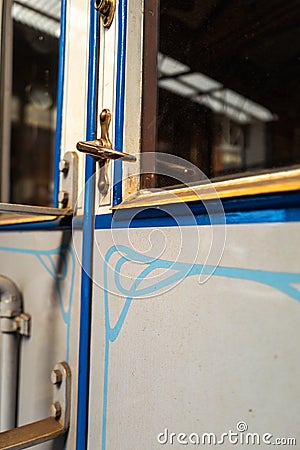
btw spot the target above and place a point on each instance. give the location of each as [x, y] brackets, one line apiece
[49, 280]
[76, 80]
[106, 95]
[198, 357]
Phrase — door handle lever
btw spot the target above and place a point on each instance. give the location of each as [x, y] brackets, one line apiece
[102, 150]
[51, 427]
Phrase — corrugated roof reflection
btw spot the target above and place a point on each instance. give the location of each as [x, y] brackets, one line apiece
[206, 91]
[49, 7]
[38, 14]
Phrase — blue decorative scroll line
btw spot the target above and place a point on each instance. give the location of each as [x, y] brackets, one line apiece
[281, 281]
[46, 258]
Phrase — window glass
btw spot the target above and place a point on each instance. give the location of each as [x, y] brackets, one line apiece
[30, 46]
[227, 84]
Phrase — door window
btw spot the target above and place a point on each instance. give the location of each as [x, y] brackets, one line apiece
[226, 82]
[29, 67]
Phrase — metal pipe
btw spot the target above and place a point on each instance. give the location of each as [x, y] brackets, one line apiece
[9, 375]
[10, 310]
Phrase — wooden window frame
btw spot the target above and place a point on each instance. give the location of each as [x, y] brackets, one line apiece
[279, 180]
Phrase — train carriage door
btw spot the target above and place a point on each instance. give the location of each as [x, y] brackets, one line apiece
[189, 320]
[49, 52]
[105, 153]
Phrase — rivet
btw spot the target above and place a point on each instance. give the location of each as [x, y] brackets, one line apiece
[56, 376]
[63, 198]
[64, 166]
[56, 410]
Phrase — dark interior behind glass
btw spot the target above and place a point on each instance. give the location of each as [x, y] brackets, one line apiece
[35, 48]
[227, 84]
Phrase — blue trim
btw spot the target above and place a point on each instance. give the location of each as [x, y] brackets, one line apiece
[60, 98]
[271, 208]
[87, 239]
[120, 98]
[53, 225]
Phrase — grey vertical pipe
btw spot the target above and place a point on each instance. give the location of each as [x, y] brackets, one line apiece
[9, 377]
[10, 308]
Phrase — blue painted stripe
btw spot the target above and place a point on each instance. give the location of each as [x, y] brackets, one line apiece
[53, 225]
[256, 209]
[271, 208]
[60, 98]
[120, 98]
[87, 246]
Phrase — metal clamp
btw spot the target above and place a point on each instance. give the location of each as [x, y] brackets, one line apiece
[101, 149]
[12, 317]
[51, 427]
[19, 324]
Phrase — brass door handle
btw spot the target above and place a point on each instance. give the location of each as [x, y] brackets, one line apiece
[101, 149]
[51, 427]
[100, 153]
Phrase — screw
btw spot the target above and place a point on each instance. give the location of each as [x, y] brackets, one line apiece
[63, 198]
[56, 410]
[56, 376]
[64, 166]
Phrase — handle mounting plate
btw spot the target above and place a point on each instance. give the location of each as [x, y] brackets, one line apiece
[49, 428]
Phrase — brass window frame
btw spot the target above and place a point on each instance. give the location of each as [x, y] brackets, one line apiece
[267, 183]
[16, 219]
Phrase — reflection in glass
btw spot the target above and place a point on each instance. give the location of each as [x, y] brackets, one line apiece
[227, 75]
